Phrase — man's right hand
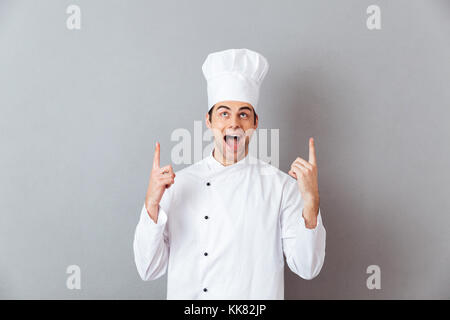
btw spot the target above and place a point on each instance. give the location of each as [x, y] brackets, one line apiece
[160, 180]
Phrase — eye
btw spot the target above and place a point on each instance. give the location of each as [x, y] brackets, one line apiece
[244, 115]
[224, 114]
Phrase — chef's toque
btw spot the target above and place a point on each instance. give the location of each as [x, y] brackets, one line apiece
[234, 74]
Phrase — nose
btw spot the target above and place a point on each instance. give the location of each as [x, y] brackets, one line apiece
[235, 123]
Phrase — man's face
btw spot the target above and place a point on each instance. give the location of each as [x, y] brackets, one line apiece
[232, 123]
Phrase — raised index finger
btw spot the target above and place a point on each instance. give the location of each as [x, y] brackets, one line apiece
[156, 157]
[312, 151]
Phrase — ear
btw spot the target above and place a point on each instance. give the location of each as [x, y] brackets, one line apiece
[256, 123]
[208, 123]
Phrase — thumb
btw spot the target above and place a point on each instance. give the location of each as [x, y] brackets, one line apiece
[292, 174]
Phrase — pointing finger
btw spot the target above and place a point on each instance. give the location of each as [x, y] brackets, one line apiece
[156, 157]
[312, 151]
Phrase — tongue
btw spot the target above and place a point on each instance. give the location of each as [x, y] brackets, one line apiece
[232, 143]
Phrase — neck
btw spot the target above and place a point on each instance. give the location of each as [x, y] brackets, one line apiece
[226, 162]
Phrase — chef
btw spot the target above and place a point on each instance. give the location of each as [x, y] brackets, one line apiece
[220, 227]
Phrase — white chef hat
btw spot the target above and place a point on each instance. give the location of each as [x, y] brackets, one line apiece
[234, 74]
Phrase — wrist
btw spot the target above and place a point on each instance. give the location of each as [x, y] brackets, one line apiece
[152, 204]
[312, 203]
[152, 210]
[309, 215]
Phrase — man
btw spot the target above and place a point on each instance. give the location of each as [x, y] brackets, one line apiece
[221, 229]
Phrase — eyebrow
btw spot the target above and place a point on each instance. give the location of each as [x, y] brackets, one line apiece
[224, 107]
[245, 108]
[241, 108]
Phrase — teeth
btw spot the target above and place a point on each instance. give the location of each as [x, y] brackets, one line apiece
[232, 137]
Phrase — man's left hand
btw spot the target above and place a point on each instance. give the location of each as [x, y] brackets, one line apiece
[306, 174]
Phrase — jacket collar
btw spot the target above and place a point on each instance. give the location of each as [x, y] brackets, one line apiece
[215, 165]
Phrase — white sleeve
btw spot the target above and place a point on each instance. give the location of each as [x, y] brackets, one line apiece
[304, 248]
[151, 245]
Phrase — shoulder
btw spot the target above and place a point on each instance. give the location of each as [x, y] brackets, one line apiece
[192, 170]
[272, 173]
[283, 183]
[185, 180]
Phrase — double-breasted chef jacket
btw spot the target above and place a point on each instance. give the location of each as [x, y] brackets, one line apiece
[222, 230]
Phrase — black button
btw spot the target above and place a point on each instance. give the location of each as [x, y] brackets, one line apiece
[208, 184]
[206, 253]
[206, 217]
[204, 289]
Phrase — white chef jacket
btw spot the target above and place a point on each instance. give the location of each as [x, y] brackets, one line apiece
[222, 230]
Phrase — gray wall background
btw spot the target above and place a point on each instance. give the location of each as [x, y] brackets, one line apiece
[81, 111]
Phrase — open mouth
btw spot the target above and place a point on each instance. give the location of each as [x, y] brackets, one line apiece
[232, 141]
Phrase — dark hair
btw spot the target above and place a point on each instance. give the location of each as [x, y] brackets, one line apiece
[211, 111]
